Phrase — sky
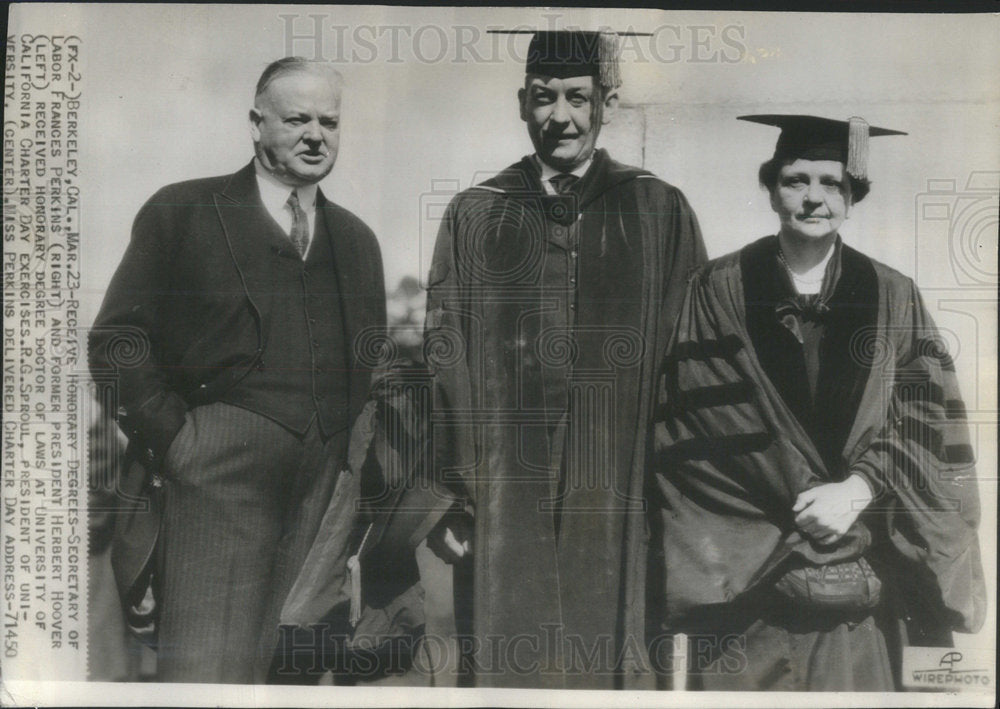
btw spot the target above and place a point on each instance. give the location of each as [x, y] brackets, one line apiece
[168, 88]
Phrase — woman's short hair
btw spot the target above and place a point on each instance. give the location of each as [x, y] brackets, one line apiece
[768, 176]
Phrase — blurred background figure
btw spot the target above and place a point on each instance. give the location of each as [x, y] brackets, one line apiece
[405, 305]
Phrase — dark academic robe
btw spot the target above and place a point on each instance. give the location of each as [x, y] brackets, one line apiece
[746, 422]
[546, 319]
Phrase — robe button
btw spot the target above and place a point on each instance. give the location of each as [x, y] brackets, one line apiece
[573, 253]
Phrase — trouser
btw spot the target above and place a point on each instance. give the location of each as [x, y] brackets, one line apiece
[243, 499]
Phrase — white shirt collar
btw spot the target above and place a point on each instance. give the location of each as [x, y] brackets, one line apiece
[274, 193]
[548, 172]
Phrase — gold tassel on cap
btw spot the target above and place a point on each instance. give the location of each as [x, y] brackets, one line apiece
[610, 74]
[857, 147]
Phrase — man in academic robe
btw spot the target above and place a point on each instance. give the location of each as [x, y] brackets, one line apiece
[227, 331]
[552, 292]
[816, 500]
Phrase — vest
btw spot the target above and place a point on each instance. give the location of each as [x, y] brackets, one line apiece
[303, 373]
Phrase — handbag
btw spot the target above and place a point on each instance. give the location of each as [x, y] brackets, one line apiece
[842, 586]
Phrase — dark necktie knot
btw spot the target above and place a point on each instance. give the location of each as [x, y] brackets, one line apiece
[563, 182]
[299, 235]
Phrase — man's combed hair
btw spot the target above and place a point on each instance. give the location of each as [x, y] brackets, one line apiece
[768, 176]
[291, 65]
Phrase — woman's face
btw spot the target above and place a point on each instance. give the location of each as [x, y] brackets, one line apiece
[812, 198]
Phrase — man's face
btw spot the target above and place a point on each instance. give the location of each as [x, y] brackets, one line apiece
[564, 117]
[812, 198]
[295, 127]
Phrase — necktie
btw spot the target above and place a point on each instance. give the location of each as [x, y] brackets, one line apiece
[563, 182]
[300, 224]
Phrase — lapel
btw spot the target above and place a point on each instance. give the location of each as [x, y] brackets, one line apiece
[778, 351]
[844, 364]
[251, 234]
[349, 266]
[507, 227]
[521, 178]
[245, 229]
[845, 361]
[604, 173]
[244, 218]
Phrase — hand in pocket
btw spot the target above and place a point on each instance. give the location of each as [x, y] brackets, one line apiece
[178, 449]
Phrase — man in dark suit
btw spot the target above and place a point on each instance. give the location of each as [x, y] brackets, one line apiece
[229, 330]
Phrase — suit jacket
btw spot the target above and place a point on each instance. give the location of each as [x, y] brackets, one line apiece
[182, 319]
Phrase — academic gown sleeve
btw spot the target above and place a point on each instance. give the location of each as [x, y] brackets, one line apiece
[446, 338]
[922, 463]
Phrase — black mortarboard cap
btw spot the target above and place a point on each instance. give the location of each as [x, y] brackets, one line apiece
[816, 138]
[563, 54]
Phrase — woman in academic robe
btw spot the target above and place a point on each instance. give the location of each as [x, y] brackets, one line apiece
[814, 494]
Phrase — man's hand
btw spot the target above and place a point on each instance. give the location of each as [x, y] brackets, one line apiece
[451, 538]
[826, 512]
